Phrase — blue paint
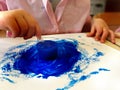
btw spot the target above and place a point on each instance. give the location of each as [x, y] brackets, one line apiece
[7, 79]
[77, 69]
[103, 69]
[98, 53]
[81, 78]
[49, 58]
[95, 72]
[6, 68]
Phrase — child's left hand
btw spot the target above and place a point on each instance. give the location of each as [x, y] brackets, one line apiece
[100, 31]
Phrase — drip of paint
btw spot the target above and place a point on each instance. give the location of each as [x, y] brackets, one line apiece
[49, 58]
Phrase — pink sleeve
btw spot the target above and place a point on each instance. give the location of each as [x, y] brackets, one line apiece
[3, 5]
[117, 30]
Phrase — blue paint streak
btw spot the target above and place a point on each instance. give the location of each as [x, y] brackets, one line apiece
[9, 80]
[103, 69]
[95, 72]
[81, 78]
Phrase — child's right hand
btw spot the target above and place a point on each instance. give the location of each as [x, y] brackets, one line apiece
[19, 23]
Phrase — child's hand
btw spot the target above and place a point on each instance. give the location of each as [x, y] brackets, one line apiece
[19, 23]
[101, 31]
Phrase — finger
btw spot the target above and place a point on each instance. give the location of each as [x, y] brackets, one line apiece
[98, 34]
[38, 32]
[104, 35]
[33, 25]
[22, 25]
[92, 32]
[33, 31]
[13, 27]
[30, 33]
[112, 36]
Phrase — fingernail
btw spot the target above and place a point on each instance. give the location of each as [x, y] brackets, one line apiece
[8, 34]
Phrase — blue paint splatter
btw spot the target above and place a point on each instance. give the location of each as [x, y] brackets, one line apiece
[50, 58]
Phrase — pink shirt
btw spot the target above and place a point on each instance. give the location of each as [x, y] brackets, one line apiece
[118, 29]
[69, 16]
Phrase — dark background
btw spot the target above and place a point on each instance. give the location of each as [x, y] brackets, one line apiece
[112, 6]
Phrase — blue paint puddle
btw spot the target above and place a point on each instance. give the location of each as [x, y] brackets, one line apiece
[49, 58]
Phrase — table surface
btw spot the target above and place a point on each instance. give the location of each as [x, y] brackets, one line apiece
[2, 35]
